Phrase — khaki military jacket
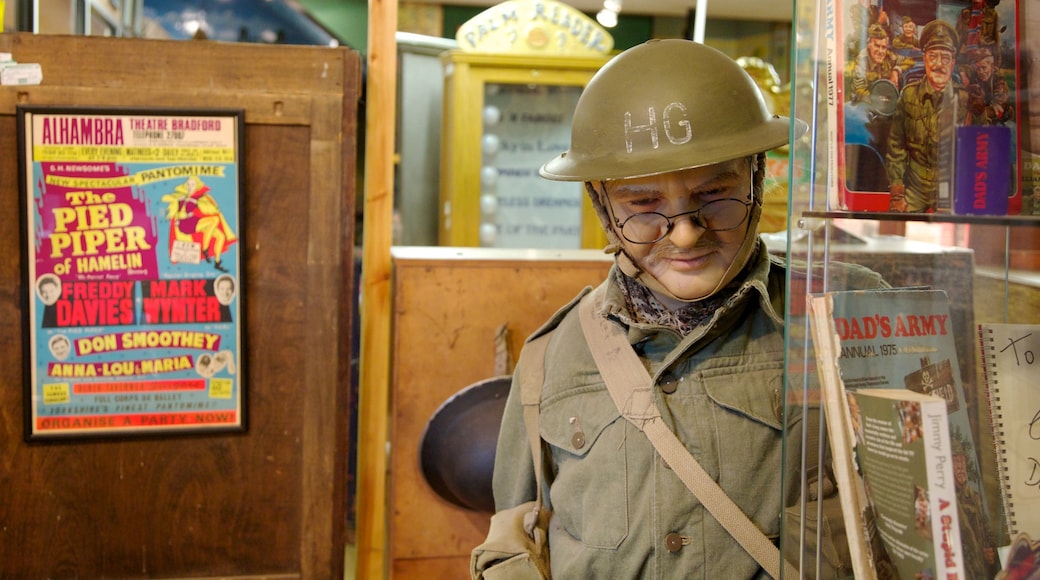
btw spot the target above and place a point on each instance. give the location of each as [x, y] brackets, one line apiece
[617, 510]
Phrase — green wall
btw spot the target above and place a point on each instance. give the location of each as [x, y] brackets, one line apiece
[347, 19]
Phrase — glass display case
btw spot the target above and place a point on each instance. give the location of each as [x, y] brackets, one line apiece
[918, 165]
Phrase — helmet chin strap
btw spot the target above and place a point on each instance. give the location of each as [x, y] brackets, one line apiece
[631, 269]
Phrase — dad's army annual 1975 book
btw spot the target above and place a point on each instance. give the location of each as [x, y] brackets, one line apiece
[895, 339]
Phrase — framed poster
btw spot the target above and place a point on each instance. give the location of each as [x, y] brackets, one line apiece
[132, 278]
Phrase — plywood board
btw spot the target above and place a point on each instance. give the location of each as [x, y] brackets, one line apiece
[448, 305]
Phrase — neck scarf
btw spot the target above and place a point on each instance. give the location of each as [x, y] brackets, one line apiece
[644, 308]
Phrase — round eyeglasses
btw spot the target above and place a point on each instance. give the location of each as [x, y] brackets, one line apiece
[715, 216]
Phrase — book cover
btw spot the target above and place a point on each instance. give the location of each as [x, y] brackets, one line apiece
[903, 339]
[983, 170]
[859, 523]
[831, 81]
[903, 450]
[910, 73]
[1010, 361]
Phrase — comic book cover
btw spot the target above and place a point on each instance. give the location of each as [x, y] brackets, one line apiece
[909, 74]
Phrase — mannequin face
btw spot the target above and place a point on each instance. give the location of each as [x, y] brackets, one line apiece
[690, 261]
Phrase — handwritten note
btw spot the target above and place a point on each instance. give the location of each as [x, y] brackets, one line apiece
[1011, 361]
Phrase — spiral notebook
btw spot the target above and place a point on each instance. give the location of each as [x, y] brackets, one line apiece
[1011, 363]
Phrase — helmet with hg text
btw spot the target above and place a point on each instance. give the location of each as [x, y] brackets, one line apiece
[662, 106]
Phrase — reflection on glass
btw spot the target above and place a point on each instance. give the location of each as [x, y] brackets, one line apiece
[1030, 106]
[525, 126]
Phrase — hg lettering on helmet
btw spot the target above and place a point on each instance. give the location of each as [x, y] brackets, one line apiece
[663, 106]
[651, 127]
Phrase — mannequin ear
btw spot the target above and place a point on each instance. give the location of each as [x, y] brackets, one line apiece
[598, 197]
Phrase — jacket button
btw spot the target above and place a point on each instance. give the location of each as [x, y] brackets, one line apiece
[673, 542]
[578, 440]
[670, 385]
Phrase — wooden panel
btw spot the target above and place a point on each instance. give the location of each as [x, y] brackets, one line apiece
[191, 69]
[374, 371]
[990, 305]
[432, 568]
[270, 502]
[446, 313]
[260, 108]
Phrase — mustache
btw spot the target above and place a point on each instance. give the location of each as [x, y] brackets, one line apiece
[669, 250]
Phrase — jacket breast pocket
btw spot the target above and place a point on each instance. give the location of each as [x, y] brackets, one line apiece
[589, 491]
[749, 437]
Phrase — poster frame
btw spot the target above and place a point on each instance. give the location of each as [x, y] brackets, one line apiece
[226, 386]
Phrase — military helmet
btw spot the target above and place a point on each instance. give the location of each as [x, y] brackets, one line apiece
[877, 31]
[663, 106]
[979, 54]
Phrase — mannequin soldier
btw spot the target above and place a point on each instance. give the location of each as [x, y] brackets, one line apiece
[669, 140]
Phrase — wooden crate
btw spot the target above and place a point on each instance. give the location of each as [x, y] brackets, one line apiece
[270, 502]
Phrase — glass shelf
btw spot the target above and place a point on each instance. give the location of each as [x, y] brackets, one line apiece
[937, 218]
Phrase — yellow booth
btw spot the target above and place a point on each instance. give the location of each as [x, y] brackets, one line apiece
[509, 95]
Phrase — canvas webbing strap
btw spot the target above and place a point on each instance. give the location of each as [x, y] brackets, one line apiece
[532, 374]
[631, 389]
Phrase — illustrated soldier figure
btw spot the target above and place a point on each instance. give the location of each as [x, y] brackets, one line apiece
[920, 143]
[989, 90]
[979, 26]
[908, 39]
[979, 553]
[875, 62]
[861, 16]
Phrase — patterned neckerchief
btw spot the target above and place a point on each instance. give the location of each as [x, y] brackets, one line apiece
[644, 308]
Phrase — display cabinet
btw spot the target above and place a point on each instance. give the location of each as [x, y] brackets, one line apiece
[874, 149]
[503, 117]
[510, 90]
